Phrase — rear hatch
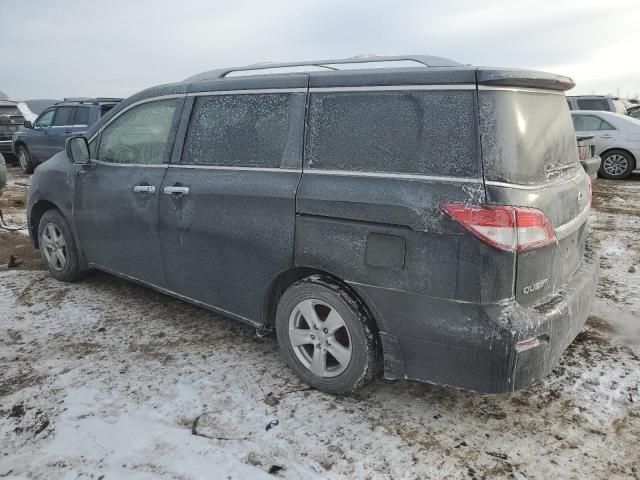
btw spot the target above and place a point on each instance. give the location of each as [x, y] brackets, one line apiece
[11, 120]
[530, 159]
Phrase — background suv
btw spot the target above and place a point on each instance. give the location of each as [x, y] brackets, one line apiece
[45, 137]
[597, 102]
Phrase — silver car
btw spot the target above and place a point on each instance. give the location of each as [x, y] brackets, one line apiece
[617, 139]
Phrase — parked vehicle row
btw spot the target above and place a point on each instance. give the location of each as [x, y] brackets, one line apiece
[40, 140]
[314, 205]
[605, 103]
[616, 138]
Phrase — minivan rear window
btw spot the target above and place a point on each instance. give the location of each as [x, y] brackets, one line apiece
[411, 132]
[526, 137]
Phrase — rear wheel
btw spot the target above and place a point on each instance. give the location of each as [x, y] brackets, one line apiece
[616, 165]
[326, 336]
[24, 159]
[58, 247]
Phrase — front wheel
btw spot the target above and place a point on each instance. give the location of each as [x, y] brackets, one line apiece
[326, 336]
[24, 159]
[616, 165]
[58, 247]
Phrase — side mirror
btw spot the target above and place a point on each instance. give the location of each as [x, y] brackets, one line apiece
[27, 124]
[77, 150]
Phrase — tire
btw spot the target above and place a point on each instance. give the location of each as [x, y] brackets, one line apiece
[616, 165]
[3, 172]
[24, 159]
[55, 235]
[327, 319]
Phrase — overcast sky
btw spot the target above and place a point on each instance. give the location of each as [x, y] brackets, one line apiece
[53, 49]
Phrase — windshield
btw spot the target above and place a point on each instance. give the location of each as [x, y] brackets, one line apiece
[527, 137]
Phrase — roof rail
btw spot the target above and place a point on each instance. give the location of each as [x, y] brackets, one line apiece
[425, 60]
[90, 99]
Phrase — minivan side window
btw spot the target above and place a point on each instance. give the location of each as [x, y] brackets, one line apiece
[593, 104]
[245, 130]
[140, 135]
[410, 132]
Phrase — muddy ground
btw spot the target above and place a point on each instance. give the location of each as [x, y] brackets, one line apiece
[106, 379]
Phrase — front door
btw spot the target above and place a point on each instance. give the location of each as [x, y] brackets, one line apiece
[116, 205]
[38, 137]
[227, 210]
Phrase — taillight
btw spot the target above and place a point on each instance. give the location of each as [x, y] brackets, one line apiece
[582, 152]
[504, 227]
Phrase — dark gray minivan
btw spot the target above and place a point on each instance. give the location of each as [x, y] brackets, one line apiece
[423, 222]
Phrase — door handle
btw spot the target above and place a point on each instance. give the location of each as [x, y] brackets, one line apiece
[606, 135]
[144, 189]
[68, 130]
[176, 190]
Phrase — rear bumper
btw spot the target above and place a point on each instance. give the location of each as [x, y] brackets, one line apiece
[591, 166]
[6, 146]
[474, 346]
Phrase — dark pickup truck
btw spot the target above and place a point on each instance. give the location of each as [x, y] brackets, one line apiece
[11, 120]
[587, 154]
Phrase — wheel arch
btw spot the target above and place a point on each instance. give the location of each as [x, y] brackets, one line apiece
[35, 215]
[617, 149]
[288, 277]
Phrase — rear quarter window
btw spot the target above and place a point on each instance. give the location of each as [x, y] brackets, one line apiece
[410, 132]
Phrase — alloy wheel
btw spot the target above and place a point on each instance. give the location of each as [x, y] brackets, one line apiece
[615, 164]
[54, 247]
[320, 338]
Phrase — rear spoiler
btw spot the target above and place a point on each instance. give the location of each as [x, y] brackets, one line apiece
[506, 77]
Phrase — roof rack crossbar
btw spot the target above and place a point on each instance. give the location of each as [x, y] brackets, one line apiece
[425, 60]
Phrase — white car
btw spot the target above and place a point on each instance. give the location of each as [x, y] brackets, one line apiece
[617, 140]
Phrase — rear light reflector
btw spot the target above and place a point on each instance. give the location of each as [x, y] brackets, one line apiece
[582, 152]
[527, 344]
[513, 229]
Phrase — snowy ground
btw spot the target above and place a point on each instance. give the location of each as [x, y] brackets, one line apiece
[106, 379]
